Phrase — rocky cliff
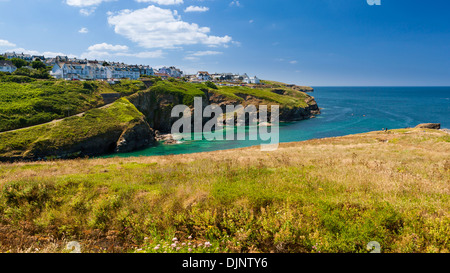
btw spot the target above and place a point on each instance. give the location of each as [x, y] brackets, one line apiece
[130, 123]
[119, 127]
[157, 106]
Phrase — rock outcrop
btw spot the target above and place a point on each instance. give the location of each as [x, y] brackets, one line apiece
[137, 136]
[435, 126]
[157, 107]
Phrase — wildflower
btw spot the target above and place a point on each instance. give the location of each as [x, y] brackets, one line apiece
[190, 249]
[173, 245]
[190, 237]
[208, 244]
[145, 238]
[189, 244]
[183, 244]
[156, 248]
[178, 248]
[175, 239]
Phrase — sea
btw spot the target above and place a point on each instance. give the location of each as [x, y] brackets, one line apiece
[344, 111]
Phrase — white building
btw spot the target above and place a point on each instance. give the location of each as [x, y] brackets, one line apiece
[93, 71]
[146, 70]
[11, 55]
[123, 73]
[252, 80]
[7, 66]
[203, 76]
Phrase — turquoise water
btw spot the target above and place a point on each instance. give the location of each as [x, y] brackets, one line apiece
[345, 110]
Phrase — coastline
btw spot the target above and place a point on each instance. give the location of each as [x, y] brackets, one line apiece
[354, 182]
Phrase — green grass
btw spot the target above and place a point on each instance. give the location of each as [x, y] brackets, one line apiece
[329, 195]
[291, 98]
[126, 87]
[185, 92]
[27, 104]
[70, 131]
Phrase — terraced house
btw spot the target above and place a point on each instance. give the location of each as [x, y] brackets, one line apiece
[93, 71]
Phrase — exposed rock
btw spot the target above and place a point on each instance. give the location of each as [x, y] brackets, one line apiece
[436, 126]
[136, 136]
[110, 97]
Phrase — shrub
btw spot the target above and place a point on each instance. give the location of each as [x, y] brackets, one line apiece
[211, 85]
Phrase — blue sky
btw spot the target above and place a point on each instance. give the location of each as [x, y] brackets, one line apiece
[309, 42]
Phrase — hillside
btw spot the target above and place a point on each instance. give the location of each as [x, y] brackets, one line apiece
[69, 121]
[37, 102]
[97, 131]
[324, 195]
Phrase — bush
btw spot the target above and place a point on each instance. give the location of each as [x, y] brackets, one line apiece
[16, 79]
[38, 64]
[211, 85]
[19, 62]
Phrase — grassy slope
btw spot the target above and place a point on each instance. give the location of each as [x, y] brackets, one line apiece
[291, 98]
[185, 91]
[188, 91]
[27, 104]
[69, 131]
[327, 195]
[276, 84]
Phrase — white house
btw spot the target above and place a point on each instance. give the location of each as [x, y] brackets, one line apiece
[252, 80]
[26, 57]
[93, 71]
[7, 66]
[203, 76]
[123, 72]
[146, 70]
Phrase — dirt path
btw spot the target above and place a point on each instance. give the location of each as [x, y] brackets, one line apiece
[58, 120]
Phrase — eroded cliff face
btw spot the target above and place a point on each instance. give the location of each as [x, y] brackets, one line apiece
[137, 136]
[119, 127]
[157, 107]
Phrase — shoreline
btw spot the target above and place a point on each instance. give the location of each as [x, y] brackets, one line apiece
[359, 182]
[170, 142]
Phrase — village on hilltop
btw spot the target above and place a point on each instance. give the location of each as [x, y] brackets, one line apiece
[67, 68]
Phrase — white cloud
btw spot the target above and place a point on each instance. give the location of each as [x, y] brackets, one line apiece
[162, 2]
[194, 56]
[235, 3]
[83, 30]
[4, 43]
[104, 50]
[196, 9]
[206, 53]
[251, 21]
[144, 54]
[154, 27]
[107, 47]
[88, 6]
[293, 62]
[45, 53]
[87, 12]
[85, 3]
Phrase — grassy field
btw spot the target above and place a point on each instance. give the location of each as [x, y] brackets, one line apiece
[326, 195]
[27, 104]
[69, 131]
[290, 98]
